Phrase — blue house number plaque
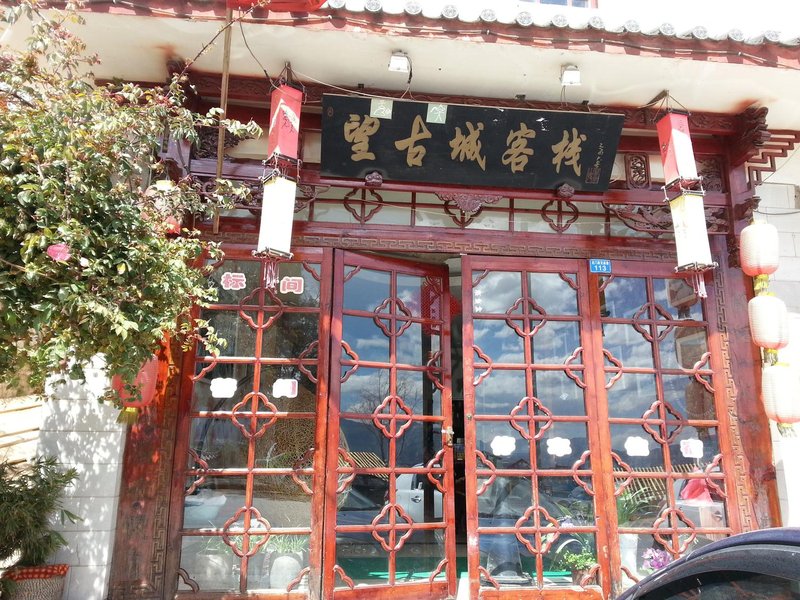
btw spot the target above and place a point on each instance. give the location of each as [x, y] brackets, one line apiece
[600, 265]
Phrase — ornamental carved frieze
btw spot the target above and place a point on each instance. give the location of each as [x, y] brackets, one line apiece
[208, 186]
[655, 220]
[710, 169]
[308, 193]
[468, 203]
[208, 139]
[637, 171]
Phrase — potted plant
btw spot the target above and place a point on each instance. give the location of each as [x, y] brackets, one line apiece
[632, 506]
[30, 500]
[213, 564]
[579, 564]
[285, 559]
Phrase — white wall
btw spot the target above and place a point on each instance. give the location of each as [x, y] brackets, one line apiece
[84, 434]
[780, 205]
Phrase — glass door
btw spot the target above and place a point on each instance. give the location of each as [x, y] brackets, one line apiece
[596, 451]
[389, 507]
[252, 429]
[533, 521]
[668, 458]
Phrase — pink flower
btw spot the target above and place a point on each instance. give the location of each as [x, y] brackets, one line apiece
[59, 252]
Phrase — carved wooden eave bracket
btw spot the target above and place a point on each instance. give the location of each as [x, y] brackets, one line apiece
[759, 148]
[751, 135]
[764, 160]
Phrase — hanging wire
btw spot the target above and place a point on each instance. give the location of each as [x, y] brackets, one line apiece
[250, 50]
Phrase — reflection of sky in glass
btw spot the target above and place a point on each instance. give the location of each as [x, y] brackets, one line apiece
[500, 391]
[498, 341]
[555, 342]
[418, 443]
[631, 395]
[364, 390]
[497, 292]
[623, 297]
[366, 290]
[553, 294]
[627, 345]
[365, 338]
[411, 387]
[410, 347]
[558, 393]
[408, 291]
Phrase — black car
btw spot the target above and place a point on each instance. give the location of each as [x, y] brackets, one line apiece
[757, 564]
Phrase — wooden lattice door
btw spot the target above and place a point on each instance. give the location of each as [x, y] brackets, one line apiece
[389, 488]
[594, 448]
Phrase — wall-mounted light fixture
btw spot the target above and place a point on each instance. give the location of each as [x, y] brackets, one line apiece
[399, 62]
[570, 75]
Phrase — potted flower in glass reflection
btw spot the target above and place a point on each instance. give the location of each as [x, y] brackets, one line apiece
[654, 559]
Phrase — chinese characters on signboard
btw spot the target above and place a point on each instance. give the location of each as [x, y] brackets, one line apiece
[467, 145]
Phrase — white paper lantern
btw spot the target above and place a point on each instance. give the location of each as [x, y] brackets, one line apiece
[758, 249]
[779, 391]
[769, 322]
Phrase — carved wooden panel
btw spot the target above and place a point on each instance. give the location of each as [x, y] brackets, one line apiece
[140, 546]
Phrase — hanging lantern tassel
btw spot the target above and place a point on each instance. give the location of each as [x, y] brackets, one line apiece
[779, 392]
[769, 322]
[691, 238]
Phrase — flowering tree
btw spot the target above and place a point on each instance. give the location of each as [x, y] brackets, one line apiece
[86, 262]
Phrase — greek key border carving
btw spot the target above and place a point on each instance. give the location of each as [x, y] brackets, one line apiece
[740, 470]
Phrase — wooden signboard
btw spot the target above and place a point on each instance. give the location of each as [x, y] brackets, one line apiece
[467, 145]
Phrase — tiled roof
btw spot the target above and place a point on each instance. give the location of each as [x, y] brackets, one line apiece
[530, 14]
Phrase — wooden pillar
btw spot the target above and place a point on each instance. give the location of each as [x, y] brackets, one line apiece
[745, 361]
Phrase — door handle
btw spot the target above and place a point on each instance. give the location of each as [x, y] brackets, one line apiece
[447, 436]
[416, 498]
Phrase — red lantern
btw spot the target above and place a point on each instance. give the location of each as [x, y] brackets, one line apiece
[279, 5]
[146, 382]
[758, 249]
[284, 121]
[677, 154]
[779, 393]
[769, 322]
